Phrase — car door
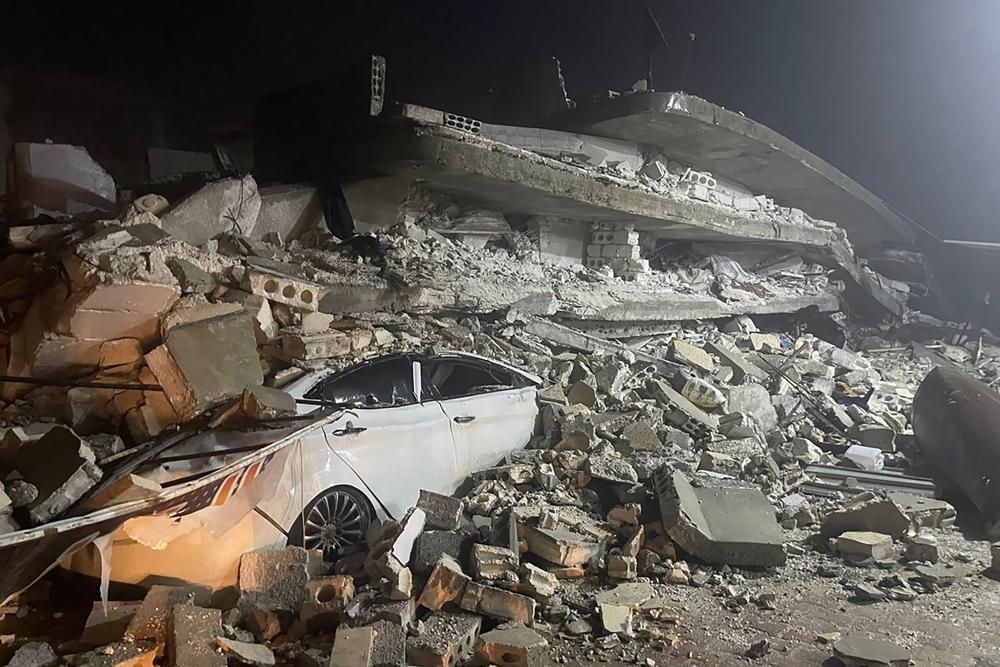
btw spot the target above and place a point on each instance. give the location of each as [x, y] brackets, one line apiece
[491, 409]
[395, 444]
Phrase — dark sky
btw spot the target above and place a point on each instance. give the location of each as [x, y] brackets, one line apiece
[902, 95]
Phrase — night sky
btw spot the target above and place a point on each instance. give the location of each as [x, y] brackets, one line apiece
[902, 95]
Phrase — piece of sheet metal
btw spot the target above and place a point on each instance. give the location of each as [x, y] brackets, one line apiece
[26, 555]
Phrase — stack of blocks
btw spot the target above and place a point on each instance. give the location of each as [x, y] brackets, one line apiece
[617, 247]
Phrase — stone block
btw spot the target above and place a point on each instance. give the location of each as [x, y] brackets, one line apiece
[447, 583]
[58, 180]
[447, 639]
[326, 596]
[442, 512]
[582, 392]
[560, 546]
[876, 546]
[874, 435]
[61, 466]
[753, 399]
[263, 403]
[868, 514]
[922, 548]
[490, 563]
[512, 644]
[537, 582]
[353, 647]
[191, 278]
[720, 525]
[622, 567]
[617, 606]
[432, 544]
[206, 361]
[287, 211]
[858, 651]
[498, 603]
[226, 205]
[734, 359]
[692, 355]
[151, 621]
[641, 436]
[191, 637]
[389, 646]
[277, 580]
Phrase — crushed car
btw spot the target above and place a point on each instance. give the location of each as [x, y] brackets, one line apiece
[404, 423]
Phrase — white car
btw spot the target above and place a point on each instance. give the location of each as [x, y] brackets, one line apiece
[412, 422]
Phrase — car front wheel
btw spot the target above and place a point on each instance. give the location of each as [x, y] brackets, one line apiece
[335, 520]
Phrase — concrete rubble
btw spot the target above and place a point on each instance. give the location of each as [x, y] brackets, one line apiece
[691, 416]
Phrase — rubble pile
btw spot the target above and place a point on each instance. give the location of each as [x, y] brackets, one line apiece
[704, 454]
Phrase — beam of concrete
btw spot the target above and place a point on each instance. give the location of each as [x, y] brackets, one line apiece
[727, 143]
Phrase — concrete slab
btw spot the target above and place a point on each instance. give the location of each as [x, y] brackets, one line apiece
[721, 525]
[729, 144]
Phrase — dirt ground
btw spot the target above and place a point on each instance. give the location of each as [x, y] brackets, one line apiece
[955, 626]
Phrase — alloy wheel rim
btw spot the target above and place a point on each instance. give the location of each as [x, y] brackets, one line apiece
[335, 521]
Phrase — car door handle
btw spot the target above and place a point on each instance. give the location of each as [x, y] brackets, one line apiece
[465, 419]
[350, 430]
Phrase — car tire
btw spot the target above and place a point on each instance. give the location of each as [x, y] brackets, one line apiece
[335, 520]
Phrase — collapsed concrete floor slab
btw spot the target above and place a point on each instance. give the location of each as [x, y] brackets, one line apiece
[517, 182]
[728, 143]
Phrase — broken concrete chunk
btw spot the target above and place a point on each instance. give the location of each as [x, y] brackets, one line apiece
[442, 512]
[353, 647]
[447, 639]
[691, 355]
[151, 621]
[191, 637]
[622, 567]
[731, 526]
[922, 548]
[446, 584]
[287, 211]
[612, 469]
[326, 596]
[876, 546]
[245, 653]
[432, 544]
[875, 515]
[204, 361]
[537, 582]
[857, 651]
[582, 392]
[62, 467]
[276, 580]
[492, 563]
[617, 606]
[734, 359]
[703, 394]
[641, 436]
[264, 403]
[191, 278]
[60, 181]
[498, 603]
[512, 644]
[389, 648]
[560, 546]
[755, 400]
[227, 205]
[34, 654]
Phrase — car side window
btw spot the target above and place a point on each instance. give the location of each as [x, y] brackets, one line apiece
[450, 378]
[380, 385]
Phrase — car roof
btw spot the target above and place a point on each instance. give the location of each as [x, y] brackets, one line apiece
[310, 379]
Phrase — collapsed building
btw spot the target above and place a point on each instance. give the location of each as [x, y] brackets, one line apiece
[715, 314]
